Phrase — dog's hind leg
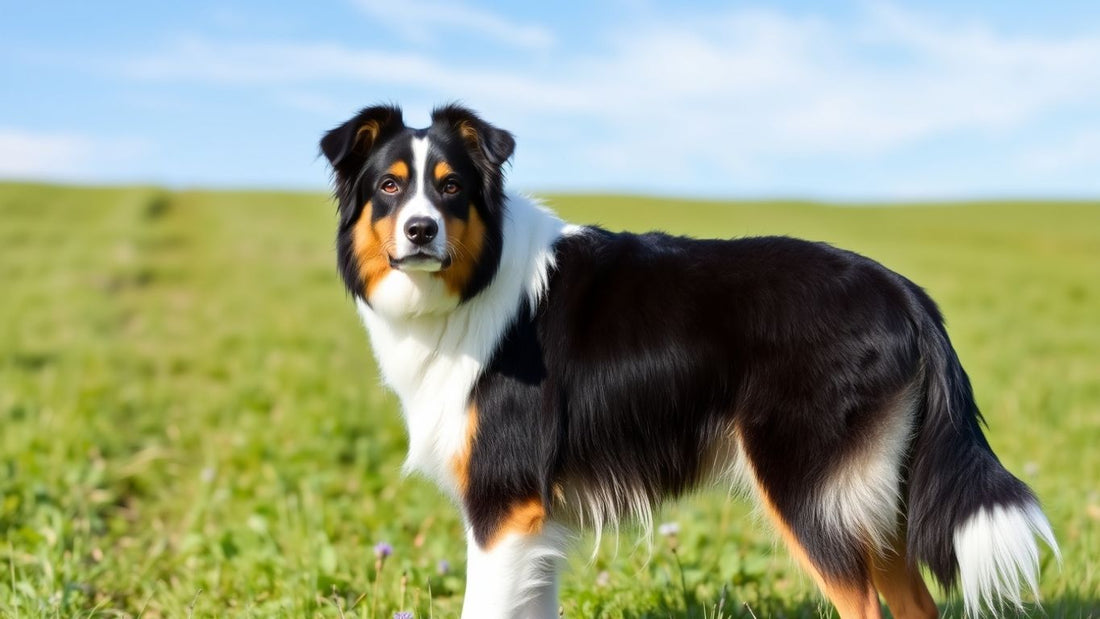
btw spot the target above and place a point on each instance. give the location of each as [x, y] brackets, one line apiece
[833, 509]
[828, 471]
[847, 584]
[901, 584]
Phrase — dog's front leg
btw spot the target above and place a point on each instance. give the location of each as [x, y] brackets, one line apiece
[514, 572]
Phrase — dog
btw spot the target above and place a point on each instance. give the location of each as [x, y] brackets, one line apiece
[556, 377]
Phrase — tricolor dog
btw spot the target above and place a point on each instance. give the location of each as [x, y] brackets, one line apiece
[556, 377]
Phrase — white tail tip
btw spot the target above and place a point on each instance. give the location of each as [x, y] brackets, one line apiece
[996, 549]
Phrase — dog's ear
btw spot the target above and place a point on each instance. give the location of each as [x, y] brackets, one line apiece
[347, 147]
[489, 146]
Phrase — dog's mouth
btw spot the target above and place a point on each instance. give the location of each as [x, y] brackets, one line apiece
[421, 261]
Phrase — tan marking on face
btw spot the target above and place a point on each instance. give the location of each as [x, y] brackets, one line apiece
[442, 169]
[460, 464]
[370, 241]
[524, 518]
[400, 169]
[465, 242]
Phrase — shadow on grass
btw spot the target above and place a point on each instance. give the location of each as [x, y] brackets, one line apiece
[1063, 607]
[804, 608]
[1072, 608]
[1066, 606]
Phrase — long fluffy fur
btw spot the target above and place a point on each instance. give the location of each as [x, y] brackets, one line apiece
[562, 377]
[996, 550]
[970, 520]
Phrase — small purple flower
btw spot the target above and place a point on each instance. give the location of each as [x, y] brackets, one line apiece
[443, 567]
[669, 529]
[403, 614]
[383, 550]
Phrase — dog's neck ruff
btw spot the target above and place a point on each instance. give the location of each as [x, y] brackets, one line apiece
[432, 358]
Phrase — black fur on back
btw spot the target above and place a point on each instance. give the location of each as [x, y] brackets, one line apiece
[649, 350]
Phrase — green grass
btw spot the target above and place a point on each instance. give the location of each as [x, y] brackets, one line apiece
[191, 422]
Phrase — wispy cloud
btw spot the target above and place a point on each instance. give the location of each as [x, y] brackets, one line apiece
[201, 59]
[421, 20]
[737, 94]
[771, 82]
[31, 154]
[286, 64]
[27, 154]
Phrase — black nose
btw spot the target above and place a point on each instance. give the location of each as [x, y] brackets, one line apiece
[421, 230]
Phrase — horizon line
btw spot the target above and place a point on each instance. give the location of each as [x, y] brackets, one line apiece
[792, 198]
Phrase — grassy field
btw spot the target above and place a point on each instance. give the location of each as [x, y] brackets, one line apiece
[191, 423]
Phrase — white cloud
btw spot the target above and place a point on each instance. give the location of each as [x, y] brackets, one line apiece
[30, 154]
[284, 64]
[786, 83]
[419, 20]
[195, 58]
[740, 92]
[776, 84]
[27, 154]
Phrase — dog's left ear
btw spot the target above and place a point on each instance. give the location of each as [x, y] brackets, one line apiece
[347, 147]
[490, 147]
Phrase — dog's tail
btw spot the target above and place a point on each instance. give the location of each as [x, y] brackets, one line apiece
[970, 521]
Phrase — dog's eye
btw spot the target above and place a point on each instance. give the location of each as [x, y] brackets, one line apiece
[450, 188]
[390, 186]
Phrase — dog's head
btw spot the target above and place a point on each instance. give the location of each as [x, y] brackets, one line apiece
[421, 210]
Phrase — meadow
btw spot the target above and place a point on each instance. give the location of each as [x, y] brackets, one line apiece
[191, 423]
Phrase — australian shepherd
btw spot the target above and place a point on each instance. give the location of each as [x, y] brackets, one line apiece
[557, 377]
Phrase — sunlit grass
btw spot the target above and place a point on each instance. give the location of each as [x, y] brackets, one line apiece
[191, 420]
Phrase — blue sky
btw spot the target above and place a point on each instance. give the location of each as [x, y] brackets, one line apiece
[840, 100]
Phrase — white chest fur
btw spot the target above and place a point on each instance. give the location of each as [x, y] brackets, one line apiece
[431, 352]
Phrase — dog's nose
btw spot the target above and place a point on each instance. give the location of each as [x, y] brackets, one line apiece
[421, 230]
